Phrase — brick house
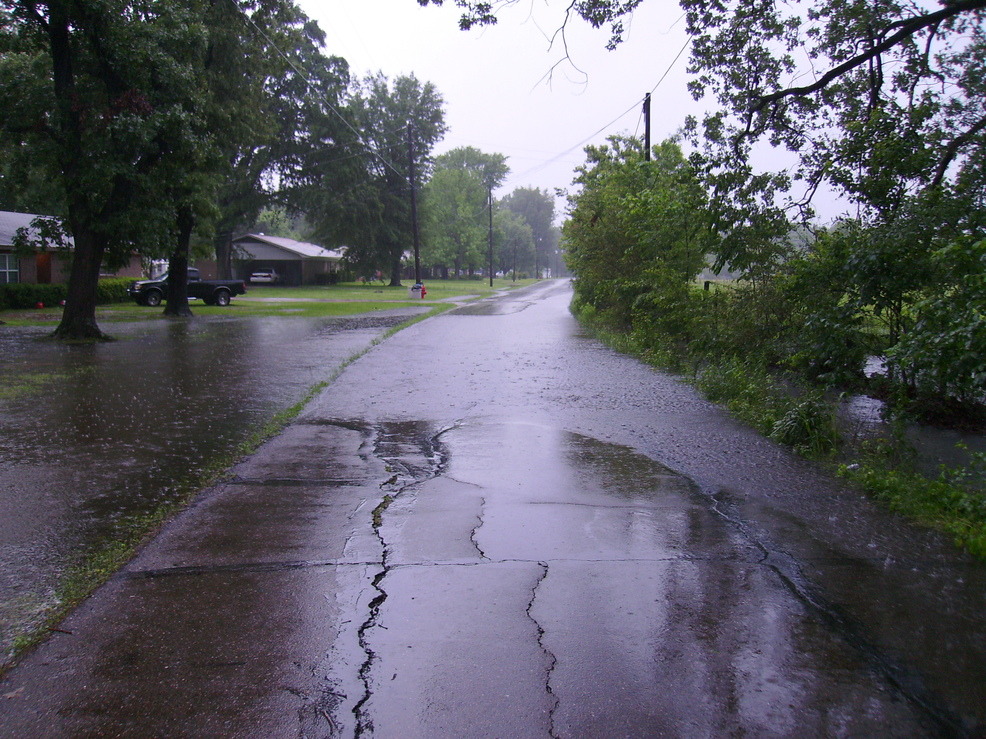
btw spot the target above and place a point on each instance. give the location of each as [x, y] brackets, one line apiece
[43, 266]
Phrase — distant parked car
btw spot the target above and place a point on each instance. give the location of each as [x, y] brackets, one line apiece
[265, 275]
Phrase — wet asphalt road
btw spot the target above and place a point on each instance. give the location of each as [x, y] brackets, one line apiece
[492, 526]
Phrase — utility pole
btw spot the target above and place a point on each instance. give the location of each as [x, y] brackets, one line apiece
[414, 204]
[490, 207]
[647, 127]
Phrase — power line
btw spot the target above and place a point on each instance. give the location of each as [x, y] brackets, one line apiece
[673, 62]
[636, 103]
[578, 145]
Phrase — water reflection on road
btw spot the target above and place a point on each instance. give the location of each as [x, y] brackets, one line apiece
[91, 434]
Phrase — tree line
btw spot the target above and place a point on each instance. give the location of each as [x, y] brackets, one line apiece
[152, 128]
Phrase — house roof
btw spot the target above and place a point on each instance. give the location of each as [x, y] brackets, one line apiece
[300, 249]
[10, 222]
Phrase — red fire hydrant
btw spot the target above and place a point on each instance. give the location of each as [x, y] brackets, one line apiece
[423, 290]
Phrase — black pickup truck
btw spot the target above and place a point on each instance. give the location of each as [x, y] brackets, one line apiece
[212, 292]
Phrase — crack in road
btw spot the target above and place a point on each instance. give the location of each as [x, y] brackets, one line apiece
[902, 677]
[386, 442]
[475, 529]
[552, 660]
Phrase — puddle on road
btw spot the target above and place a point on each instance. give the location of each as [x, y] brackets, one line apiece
[90, 435]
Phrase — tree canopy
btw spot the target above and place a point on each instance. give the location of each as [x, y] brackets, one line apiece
[537, 208]
[138, 111]
[399, 123]
[457, 198]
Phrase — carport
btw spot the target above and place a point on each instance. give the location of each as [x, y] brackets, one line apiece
[296, 262]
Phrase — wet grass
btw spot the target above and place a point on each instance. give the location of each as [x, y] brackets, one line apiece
[104, 558]
[436, 290]
[345, 299]
[237, 309]
[23, 384]
[953, 502]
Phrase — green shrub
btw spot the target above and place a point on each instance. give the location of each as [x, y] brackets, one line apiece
[113, 290]
[20, 296]
[808, 426]
[24, 295]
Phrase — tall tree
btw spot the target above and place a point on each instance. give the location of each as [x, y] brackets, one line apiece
[399, 122]
[296, 146]
[142, 108]
[457, 200]
[537, 208]
[98, 124]
[514, 243]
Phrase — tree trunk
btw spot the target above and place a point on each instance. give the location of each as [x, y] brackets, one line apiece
[224, 254]
[79, 316]
[395, 271]
[178, 268]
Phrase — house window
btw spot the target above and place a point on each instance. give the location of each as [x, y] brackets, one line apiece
[9, 270]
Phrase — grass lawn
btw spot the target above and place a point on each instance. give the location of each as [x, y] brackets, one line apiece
[125, 312]
[334, 300]
[436, 289]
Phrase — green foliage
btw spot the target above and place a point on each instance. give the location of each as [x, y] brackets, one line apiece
[536, 208]
[944, 352]
[635, 227]
[113, 290]
[953, 501]
[456, 208]
[400, 121]
[513, 242]
[25, 295]
[808, 426]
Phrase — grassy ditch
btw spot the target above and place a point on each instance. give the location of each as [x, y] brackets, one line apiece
[803, 419]
[96, 565]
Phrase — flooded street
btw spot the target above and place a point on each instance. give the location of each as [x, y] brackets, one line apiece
[492, 525]
[92, 434]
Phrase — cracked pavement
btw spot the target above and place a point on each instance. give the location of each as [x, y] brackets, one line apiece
[492, 526]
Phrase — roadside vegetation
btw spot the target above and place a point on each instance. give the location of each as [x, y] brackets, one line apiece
[879, 106]
[780, 342]
[160, 131]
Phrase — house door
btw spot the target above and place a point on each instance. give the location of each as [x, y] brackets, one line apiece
[42, 263]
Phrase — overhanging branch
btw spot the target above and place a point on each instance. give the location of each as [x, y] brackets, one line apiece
[906, 29]
[953, 148]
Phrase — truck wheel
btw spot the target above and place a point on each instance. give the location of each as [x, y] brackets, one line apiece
[152, 298]
[221, 297]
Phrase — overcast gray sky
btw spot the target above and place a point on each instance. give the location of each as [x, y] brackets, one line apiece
[500, 92]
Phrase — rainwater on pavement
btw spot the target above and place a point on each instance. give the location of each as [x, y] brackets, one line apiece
[93, 434]
[491, 525]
